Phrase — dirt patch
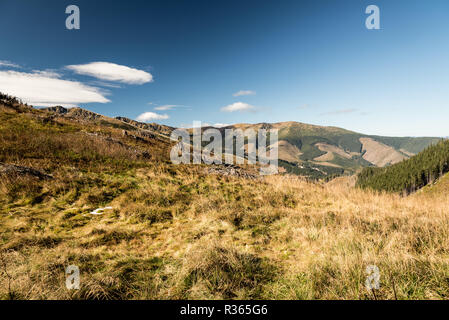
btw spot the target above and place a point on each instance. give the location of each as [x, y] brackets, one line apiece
[380, 154]
[288, 152]
[330, 151]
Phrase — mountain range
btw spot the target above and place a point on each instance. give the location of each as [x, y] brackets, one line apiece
[320, 151]
[304, 149]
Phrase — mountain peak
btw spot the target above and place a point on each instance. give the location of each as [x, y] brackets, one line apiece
[56, 109]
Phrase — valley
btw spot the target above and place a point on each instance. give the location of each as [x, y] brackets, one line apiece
[199, 232]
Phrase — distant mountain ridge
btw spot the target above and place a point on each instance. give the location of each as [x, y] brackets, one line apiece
[319, 151]
[304, 149]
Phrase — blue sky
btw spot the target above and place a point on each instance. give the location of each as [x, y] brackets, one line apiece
[174, 62]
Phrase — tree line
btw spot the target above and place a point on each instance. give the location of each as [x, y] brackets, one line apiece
[409, 175]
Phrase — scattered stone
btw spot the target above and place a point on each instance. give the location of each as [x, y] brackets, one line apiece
[100, 210]
[231, 170]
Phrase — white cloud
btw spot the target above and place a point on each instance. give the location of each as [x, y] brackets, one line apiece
[170, 107]
[238, 106]
[220, 125]
[47, 73]
[43, 89]
[112, 72]
[149, 116]
[104, 84]
[166, 107]
[244, 93]
[4, 63]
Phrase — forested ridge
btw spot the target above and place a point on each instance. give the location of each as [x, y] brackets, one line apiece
[409, 175]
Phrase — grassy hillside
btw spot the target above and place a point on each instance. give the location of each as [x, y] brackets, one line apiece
[410, 175]
[179, 232]
[439, 187]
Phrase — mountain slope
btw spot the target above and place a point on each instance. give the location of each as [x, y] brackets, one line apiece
[439, 187]
[161, 129]
[380, 154]
[409, 175]
[303, 147]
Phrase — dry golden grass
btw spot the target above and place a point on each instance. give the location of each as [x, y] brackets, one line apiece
[194, 236]
[177, 232]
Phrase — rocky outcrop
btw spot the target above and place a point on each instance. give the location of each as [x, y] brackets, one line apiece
[11, 170]
[166, 130]
[231, 170]
[76, 113]
[83, 114]
[56, 109]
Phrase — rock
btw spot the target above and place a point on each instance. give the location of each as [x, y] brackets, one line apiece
[231, 170]
[13, 170]
[162, 129]
[101, 210]
[83, 114]
[56, 109]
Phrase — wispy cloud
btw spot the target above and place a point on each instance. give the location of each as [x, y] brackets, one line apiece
[105, 84]
[112, 72]
[169, 107]
[244, 93]
[150, 116]
[8, 64]
[220, 125]
[166, 107]
[47, 73]
[238, 106]
[338, 112]
[43, 88]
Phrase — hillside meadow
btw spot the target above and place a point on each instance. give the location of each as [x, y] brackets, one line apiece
[179, 232]
[195, 236]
